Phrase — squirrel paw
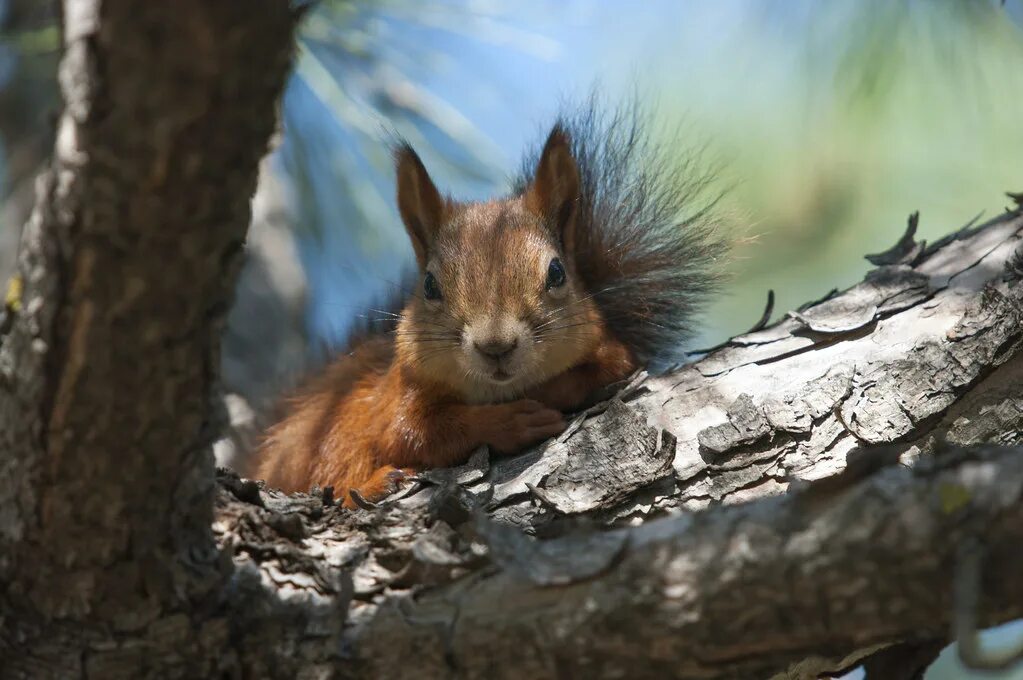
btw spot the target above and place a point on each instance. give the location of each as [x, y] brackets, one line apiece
[563, 395]
[384, 482]
[522, 423]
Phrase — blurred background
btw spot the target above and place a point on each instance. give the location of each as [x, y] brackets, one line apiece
[828, 121]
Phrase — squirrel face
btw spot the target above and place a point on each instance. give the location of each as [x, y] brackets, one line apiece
[499, 307]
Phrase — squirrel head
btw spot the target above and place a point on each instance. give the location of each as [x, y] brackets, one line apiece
[498, 306]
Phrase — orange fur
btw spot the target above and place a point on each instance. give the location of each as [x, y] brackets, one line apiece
[432, 394]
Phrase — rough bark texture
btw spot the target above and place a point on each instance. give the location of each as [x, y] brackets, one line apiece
[109, 362]
[792, 503]
[844, 424]
[741, 591]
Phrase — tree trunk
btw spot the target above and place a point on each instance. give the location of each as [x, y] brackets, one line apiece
[793, 502]
[109, 364]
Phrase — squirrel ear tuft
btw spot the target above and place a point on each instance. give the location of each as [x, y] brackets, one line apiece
[554, 192]
[420, 204]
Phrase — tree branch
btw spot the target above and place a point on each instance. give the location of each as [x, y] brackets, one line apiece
[843, 424]
[742, 591]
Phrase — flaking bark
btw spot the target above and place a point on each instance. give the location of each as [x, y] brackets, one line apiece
[838, 436]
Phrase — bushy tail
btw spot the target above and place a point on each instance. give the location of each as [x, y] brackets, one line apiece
[650, 241]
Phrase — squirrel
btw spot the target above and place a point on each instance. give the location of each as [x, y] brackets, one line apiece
[524, 306]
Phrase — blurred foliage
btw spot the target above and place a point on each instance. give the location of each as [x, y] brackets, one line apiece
[29, 47]
[834, 121]
[29, 42]
[356, 88]
[839, 119]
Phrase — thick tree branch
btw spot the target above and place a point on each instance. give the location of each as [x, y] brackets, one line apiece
[845, 420]
[742, 591]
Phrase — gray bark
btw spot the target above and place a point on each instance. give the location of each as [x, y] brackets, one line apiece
[787, 585]
[790, 504]
[794, 502]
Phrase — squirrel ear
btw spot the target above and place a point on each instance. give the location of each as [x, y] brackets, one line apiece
[554, 191]
[419, 202]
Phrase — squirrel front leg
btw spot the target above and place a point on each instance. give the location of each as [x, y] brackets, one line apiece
[447, 435]
[575, 388]
[443, 435]
[511, 427]
[384, 481]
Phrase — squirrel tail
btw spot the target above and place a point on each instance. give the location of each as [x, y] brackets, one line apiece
[650, 242]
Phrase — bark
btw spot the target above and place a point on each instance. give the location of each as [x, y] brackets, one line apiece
[109, 361]
[743, 591]
[796, 501]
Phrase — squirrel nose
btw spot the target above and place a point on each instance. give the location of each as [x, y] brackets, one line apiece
[496, 349]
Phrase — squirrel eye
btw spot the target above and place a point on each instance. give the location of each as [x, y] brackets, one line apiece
[555, 274]
[430, 288]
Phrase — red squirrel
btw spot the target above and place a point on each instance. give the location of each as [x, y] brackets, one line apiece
[523, 307]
